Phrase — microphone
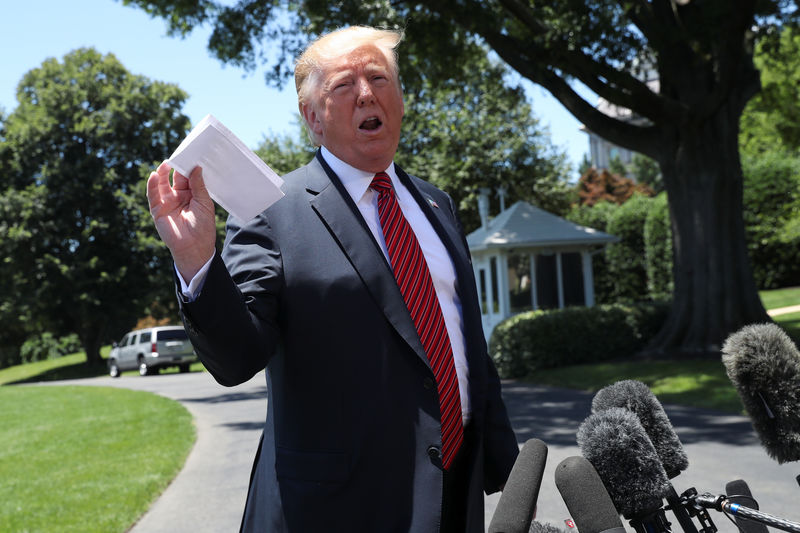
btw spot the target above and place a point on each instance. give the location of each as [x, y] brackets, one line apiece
[586, 497]
[739, 493]
[639, 399]
[517, 503]
[618, 447]
[763, 364]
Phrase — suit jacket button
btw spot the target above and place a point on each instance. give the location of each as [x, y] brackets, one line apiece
[427, 383]
[433, 452]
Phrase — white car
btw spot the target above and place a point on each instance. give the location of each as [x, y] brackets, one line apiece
[150, 350]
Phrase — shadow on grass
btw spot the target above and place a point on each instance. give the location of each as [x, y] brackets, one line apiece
[73, 371]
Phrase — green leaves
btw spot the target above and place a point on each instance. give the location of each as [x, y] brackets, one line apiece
[76, 149]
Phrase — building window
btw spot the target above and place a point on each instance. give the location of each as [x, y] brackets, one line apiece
[546, 282]
[520, 294]
[572, 279]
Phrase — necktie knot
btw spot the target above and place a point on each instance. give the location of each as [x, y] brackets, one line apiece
[381, 183]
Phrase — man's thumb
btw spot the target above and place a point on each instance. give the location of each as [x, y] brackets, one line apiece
[198, 185]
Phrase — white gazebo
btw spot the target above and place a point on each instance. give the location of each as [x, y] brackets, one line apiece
[526, 258]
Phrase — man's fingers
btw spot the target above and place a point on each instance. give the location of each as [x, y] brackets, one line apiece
[197, 184]
[158, 185]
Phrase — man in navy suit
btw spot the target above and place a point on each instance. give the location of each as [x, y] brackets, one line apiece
[355, 438]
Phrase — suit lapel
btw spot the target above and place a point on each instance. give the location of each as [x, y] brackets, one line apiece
[334, 206]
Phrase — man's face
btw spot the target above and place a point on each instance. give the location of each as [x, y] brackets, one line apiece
[357, 110]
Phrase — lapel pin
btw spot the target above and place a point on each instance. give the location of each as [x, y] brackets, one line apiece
[433, 204]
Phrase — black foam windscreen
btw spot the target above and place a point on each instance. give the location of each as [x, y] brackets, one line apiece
[618, 447]
[738, 492]
[586, 497]
[517, 503]
[763, 364]
[638, 398]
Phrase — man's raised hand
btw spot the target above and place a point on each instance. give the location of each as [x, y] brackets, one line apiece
[183, 213]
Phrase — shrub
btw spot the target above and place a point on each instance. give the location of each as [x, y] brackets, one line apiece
[658, 249]
[535, 340]
[771, 207]
[47, 346]
[626, 257]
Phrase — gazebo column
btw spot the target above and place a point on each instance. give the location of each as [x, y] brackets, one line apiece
[502, 286]
[588, 278]
[559, 281]
[534, 284]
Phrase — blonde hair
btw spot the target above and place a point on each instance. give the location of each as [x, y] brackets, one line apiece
[311, 63]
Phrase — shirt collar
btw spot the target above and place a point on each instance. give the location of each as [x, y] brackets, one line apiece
[354, 180]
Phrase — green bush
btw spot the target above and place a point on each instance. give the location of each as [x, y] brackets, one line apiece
[597, 217]
[658, 249]
[626, 257]
[535, 340]
[47, 346]
[771, 211]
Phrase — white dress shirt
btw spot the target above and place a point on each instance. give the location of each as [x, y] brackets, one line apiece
[357, 183]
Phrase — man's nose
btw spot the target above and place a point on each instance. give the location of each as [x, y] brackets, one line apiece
[365, 95]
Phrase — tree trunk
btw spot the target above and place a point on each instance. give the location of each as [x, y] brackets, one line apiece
[715, 293]
[91, 340]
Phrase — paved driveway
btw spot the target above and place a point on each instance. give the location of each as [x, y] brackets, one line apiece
[208, 494]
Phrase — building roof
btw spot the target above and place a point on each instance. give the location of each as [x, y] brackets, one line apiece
[523, 225]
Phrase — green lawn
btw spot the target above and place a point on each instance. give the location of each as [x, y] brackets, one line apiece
[86, 459]
[773, 299]
[694, 383]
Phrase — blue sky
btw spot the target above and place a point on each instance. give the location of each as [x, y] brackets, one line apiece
[34, 30]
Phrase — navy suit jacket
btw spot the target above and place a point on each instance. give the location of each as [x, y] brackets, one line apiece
[353, 422]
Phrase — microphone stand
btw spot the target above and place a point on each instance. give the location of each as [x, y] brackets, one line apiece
[676, 505]
[651, 522]
[722, 504]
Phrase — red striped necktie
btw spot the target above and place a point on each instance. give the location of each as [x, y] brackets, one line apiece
[416, 285]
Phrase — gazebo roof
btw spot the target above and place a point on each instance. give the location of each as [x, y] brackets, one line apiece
[523, 225]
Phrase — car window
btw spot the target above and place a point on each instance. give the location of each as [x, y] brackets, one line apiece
[171, 335]
[124, 341]
[144, 336]
[131, 339]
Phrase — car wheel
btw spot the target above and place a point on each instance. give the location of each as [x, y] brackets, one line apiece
[183, 368]
[113, 369]
[144, 370]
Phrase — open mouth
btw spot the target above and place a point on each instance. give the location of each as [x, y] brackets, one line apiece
[372, 123]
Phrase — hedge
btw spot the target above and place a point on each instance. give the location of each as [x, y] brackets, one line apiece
[535, 340]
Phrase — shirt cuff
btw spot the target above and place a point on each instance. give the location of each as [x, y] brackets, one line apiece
[191, 291]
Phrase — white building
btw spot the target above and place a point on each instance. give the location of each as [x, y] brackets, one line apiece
[526, 258]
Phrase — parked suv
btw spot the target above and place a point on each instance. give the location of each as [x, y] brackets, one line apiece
[150, 350]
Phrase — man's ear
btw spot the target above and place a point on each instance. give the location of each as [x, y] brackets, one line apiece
[311, 117]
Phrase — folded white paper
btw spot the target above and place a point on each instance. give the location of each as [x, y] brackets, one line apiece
[236, 178]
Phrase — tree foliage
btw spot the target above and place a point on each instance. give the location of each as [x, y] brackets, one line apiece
[700, 51]
[604, 186]
[772, 118]
[80, 252]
